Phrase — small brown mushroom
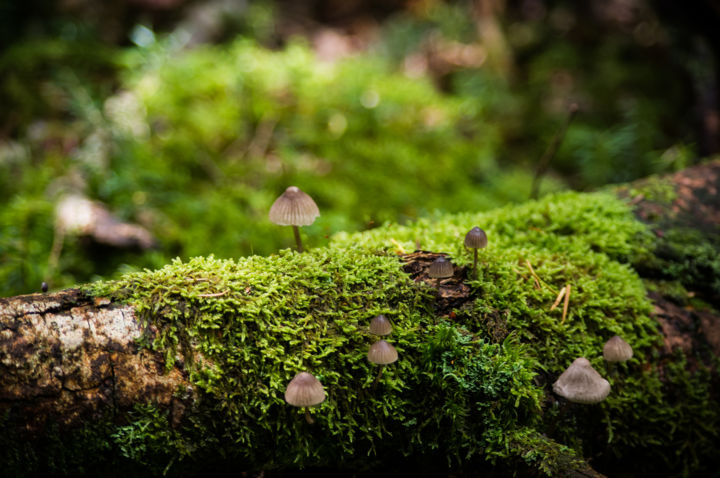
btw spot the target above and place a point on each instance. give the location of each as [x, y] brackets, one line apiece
[380, 325]
[381, 353]
[304, 391]
[440, 268]
[475, 239]
[294, 208]
[617, 350]
[581, 383]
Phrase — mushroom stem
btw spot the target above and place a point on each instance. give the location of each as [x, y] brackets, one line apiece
[377, 378]
[296, 231]
[475, 263]
[612, 371]
[308, 418]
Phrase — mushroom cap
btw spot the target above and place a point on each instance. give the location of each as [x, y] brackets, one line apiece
[476, 238]
[382, 353]
[380, 325]
[617, 350]
[294, 208]
[441, 268]
[304, 390]
[580, 383]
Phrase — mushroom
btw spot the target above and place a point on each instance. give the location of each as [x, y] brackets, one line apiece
[304, 390]
[294, 208]
[475, 239]
[440, 268]
[380, 325]
[381, 353]
[580, 383]
[617, 350]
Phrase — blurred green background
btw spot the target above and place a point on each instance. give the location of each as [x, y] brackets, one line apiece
[190, 118]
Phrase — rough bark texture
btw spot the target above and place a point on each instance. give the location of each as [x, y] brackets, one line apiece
[65, 358]
[692, 205]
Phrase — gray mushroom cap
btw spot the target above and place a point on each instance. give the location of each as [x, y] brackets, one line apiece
[382, 353]
[476, 238]
[304, 390]
[581, 383]
[440, 268]
[294, 208]
[380, 325]
[617, 350]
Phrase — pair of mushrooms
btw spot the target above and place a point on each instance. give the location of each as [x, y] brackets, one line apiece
[442, 268]
[305, 391]
[381, 353]
[581, 383]
[294, 208]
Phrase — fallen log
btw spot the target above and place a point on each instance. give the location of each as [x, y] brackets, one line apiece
[183, 369]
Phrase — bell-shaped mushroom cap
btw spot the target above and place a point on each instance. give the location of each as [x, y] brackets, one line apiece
[580, 383]
[294, 208]
[382, 353]
[476, 238]
[304, 391]
[380, 325]
[440, 268]
[617, 350]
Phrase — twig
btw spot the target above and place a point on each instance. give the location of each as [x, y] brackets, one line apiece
[55, 250]
[559, 298]
[216, 294]
[534, 275]
[400, 249]
[550, 152]
[565, 304]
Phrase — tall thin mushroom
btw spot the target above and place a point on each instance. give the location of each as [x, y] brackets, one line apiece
[294, 208]
[475, 239]
[381, 353]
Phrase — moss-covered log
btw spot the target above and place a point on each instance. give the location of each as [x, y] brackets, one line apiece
[184, 369]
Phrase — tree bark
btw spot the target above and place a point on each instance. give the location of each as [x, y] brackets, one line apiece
[66, 358]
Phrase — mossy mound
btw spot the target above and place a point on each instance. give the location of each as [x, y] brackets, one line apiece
[472, 386]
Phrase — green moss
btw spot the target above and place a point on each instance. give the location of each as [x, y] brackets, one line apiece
[472, 387]
[654, 189]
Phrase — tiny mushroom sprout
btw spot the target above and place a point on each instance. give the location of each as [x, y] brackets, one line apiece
[381, 353]
[617, 350]
[581, 383]
[304, 391]
[380, 325]
[475, 239]
[294, 208]
[440, 269]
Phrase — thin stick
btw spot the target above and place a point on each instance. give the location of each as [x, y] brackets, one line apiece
[216, 294]
[400, 249]
[565, 304]
[55, 251]
[550, 152]
[296, 231]
[534, 275]
[559, 298]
